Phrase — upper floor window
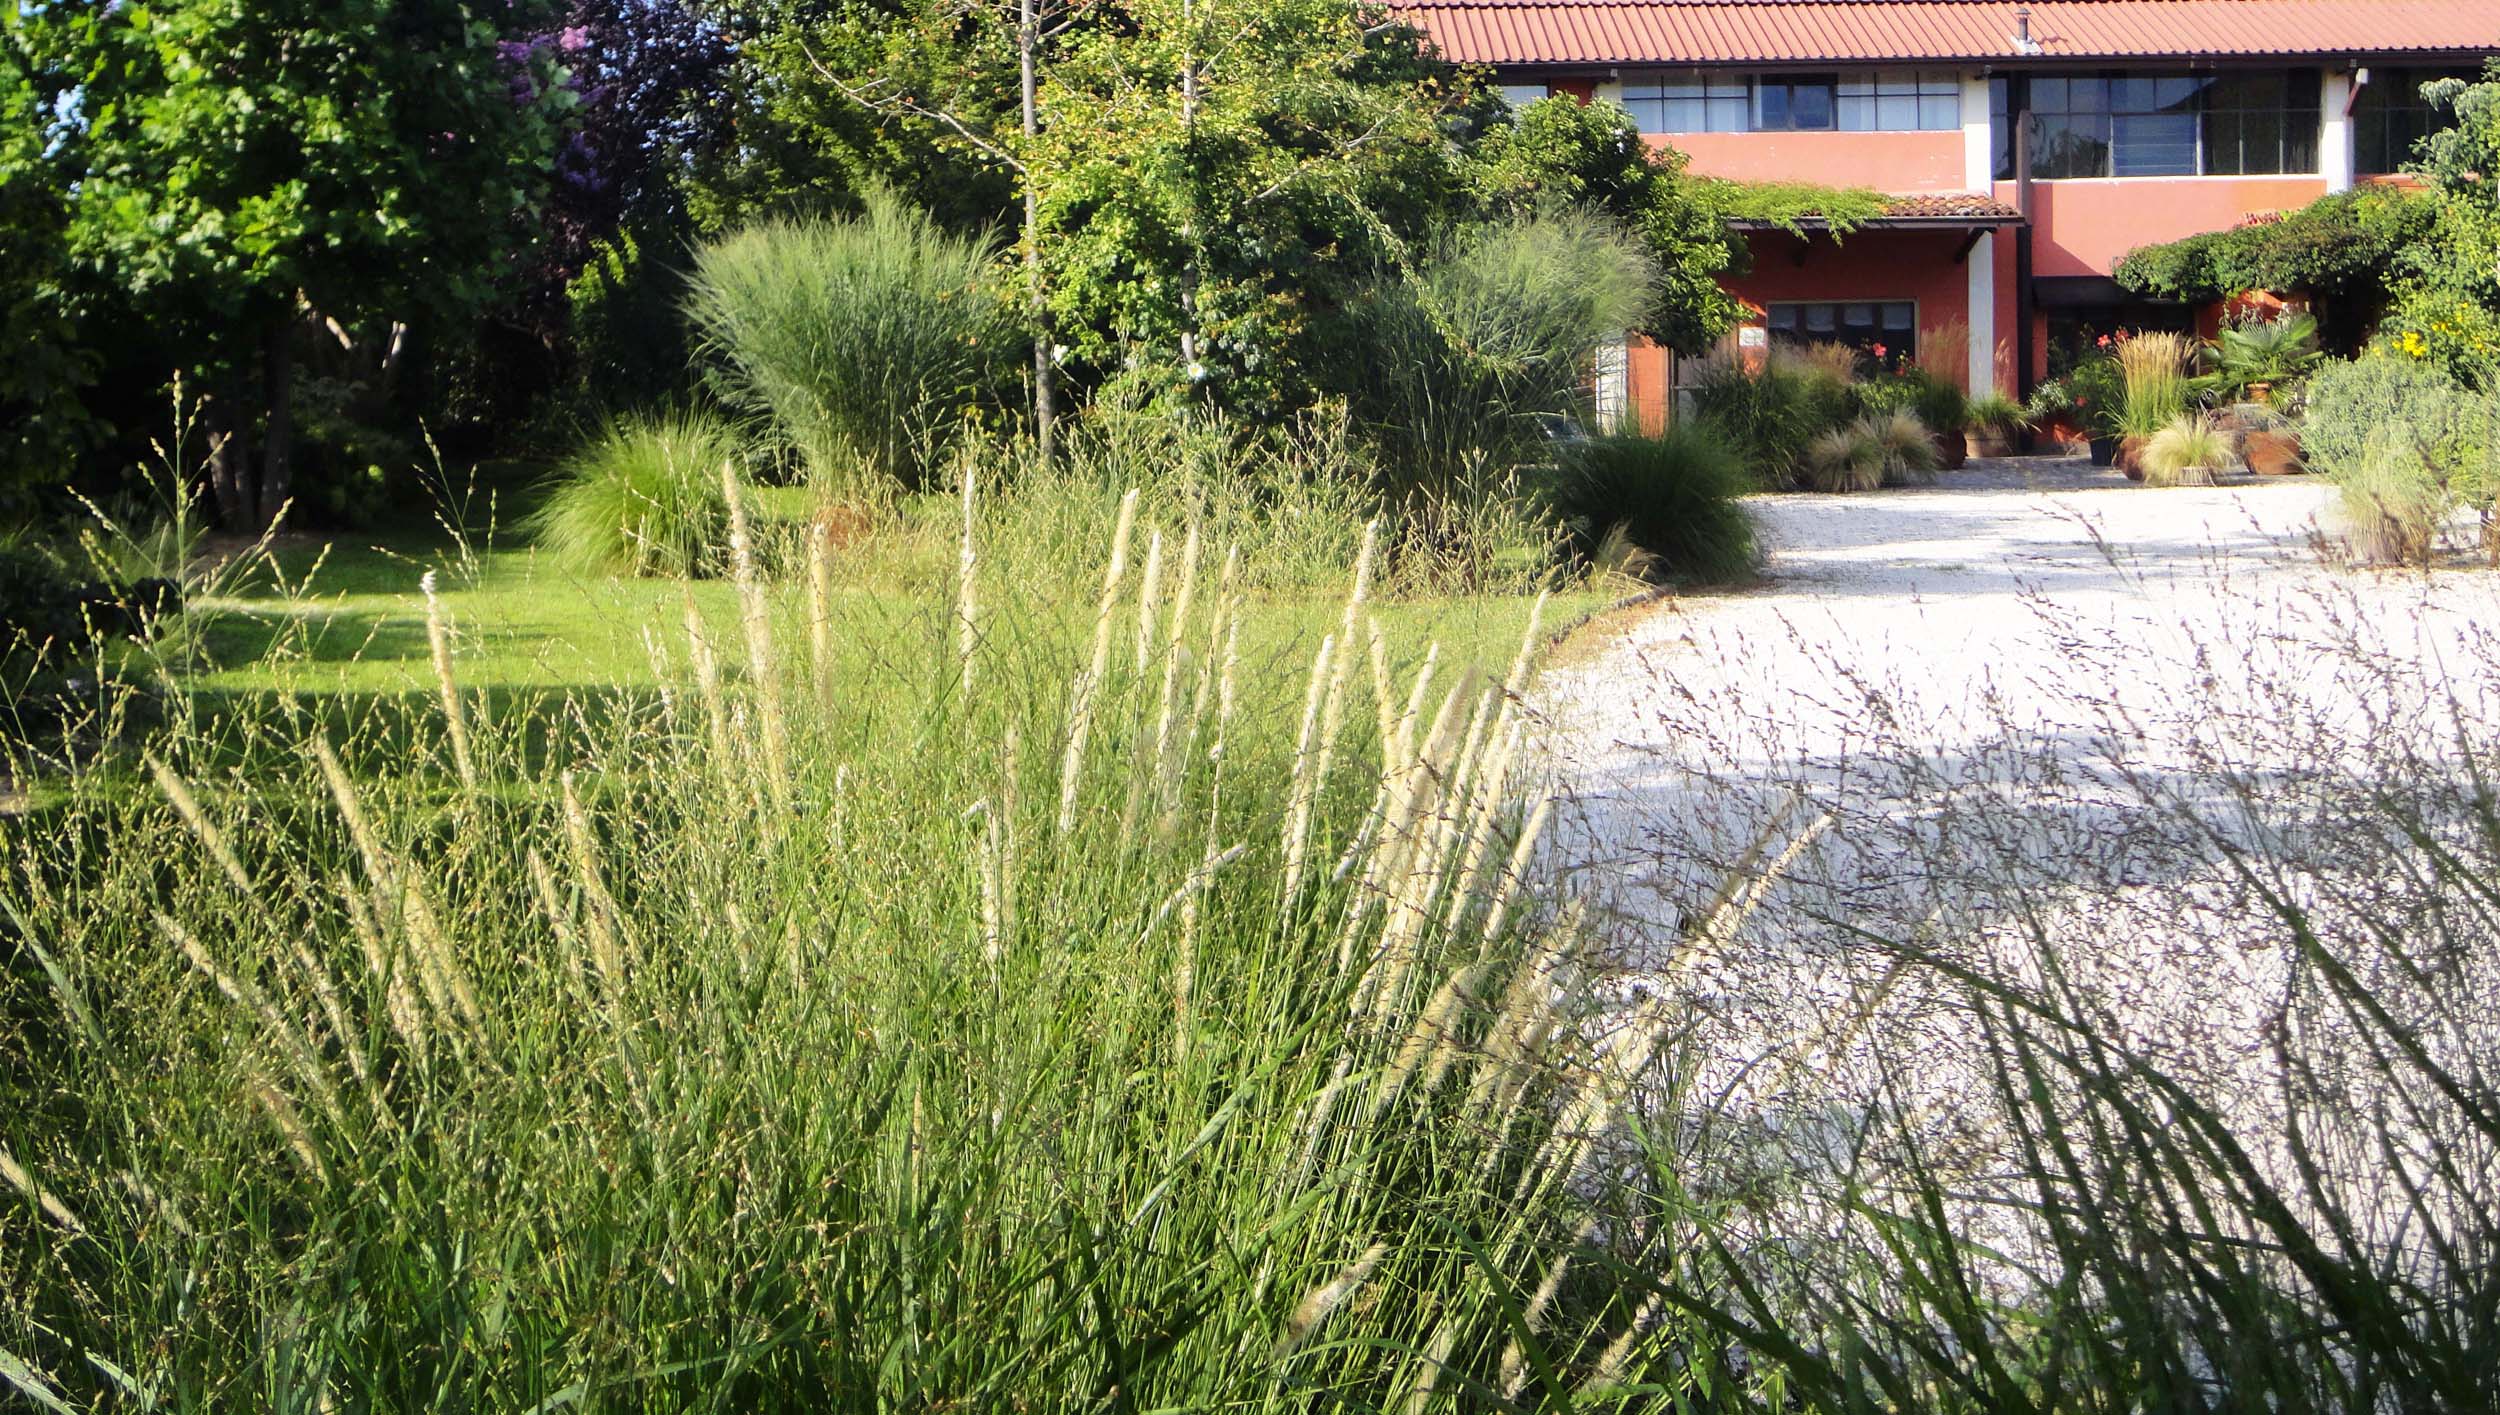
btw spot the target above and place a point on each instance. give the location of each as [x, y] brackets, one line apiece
[1901, 101]
[1805, 103]
[2173, 125]
[1691, 103]
[2390, 117]
[1873, 101]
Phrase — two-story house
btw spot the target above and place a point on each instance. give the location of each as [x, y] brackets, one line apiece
[2026, 146]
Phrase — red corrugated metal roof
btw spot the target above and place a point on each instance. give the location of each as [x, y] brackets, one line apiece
[1875, 31]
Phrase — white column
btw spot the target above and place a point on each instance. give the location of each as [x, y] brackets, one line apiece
[1982, 261]
[2335, 132]
[1614, 384]
[1979, 159]
[1609, 91]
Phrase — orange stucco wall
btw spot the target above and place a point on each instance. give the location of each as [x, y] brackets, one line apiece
[1869, 265]
[1888, 162]
[2083, 227]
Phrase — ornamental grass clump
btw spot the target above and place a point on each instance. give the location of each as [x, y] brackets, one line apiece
[641, 498]
[1850, 458]
[2191, 451]
[866, 340]
[1150, 1026]
[1675, 496]
[2157, 378]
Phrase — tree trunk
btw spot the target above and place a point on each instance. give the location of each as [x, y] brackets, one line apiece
[230, 476]
[278, 448]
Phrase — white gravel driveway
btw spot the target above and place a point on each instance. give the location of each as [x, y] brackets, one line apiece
[2032, 702]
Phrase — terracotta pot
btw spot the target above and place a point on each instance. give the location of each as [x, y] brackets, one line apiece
[2261, 393]
[1950, 453]
[2271, 452]
[2130, 457]
[2104, 451]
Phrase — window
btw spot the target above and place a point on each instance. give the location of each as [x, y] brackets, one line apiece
[2001, 127]
[1521, 95]
[2266, 122]
[1690, 103]
[1860, 324]
[2390, 117]
[1795, 103]
[1900, 101]
[2173, 125]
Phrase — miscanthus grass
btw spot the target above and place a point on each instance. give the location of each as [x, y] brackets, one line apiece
[771, 1041]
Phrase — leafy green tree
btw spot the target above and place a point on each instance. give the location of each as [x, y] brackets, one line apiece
[247, 170]
[43, 425]
[1561, 151]
[2448, 306]
[1216, 177]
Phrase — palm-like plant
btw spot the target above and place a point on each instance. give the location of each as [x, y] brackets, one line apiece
[2268, 350]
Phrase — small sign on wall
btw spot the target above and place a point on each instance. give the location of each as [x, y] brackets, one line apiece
[1753, 336]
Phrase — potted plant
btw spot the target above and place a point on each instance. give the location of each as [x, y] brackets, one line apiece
[2154, 388]
[2268, 442]
[2190, 450]
[2257, 354]
[1941, 404]
[1991, 423]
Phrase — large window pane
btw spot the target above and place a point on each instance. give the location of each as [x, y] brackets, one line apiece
[2153, 145]
[1940, 112]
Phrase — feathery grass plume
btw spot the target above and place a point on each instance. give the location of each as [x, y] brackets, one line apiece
[400, 1004]
[559, 918]
[211, 838]
[755, 618]
[1149, 599]
[1515, 873]
[602, 920]
[72, 1005]
[1607, 1374]
[1435, 1029]
[1434, 1364]
[967, 602]
[245, 994]
[1419, 842]
[1332, 713]
[1089, 682]
[993, 888]
[290, 1127]
[431, 945]
[1175, 660]
[819, 615]
[1491, 785]
[1197, 883]
[1594, 1103]
[37, 1195]
[1514, 1368]
[352, 813]
[455, 717]
[708, 687]
[1320, 1301]
[1305, 784]
[326, 996]
[1384, 687]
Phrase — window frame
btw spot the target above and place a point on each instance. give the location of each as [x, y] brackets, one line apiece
[2377, 102]
[1899, 343]
[2101, 106]
[1679, 102]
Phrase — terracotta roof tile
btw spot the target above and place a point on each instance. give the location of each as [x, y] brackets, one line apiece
[1565, 32]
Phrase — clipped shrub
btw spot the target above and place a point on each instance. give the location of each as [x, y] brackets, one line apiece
[1495, 330]
[1675, 496]
[867, 340]
[643, 497]
[2188, 452]
[1847, 458]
